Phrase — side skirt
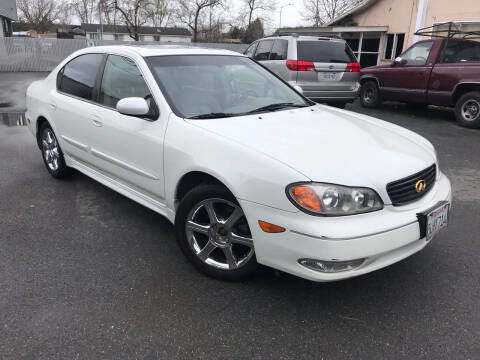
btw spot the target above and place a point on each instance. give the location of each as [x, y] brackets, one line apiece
[122, 189]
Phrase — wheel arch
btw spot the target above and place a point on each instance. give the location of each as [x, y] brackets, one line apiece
[40, 121]
[192, 179]
[463, 88]
[365, 79]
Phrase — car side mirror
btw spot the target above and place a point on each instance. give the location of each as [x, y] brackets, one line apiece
[133, 106]
[298, 89]
[398, 61]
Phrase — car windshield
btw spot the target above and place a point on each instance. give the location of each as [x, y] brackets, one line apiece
[216, 86]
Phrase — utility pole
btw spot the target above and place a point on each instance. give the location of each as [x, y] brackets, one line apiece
[281, 8]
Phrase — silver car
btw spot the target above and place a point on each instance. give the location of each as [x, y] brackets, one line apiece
[325, 68]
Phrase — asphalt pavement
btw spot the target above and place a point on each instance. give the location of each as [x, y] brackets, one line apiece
[86, 273]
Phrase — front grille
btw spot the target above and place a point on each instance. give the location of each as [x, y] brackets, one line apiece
[403, 191]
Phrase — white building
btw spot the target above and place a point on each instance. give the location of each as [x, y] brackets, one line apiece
[8, 12]
[147, 33]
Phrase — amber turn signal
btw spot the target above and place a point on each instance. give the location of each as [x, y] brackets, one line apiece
[270, 228]
[306, 197]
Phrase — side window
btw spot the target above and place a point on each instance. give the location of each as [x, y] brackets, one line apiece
[250, 50]
[418, 54]
[263, 50]
[121, 79]
[79, 76]
[461, 51]
[279, 50]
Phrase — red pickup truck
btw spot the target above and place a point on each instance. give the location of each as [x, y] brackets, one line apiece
[440, 71]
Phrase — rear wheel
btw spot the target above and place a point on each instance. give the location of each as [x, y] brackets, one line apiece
[52, 153]
[213, 233]
[370, 95]
[467, 110]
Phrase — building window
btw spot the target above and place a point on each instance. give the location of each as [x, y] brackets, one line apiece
[393, 46]
[93, 36]
[365, 46]
[156, 37]
[141, 37]
[118, 37]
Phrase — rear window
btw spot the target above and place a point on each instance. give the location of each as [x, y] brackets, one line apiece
[324, 51]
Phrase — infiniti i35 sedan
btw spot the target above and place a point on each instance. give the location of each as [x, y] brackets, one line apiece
[247, 169]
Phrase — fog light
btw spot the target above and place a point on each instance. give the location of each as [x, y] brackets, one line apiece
[331, 266]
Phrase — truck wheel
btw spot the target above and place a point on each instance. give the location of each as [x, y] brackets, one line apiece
[370, 95]
[467, 110]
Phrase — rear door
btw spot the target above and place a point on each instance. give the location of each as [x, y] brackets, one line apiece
[262, 53]
[330, 59]
[73, 104]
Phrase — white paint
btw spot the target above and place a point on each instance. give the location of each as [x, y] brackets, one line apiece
[256, 159]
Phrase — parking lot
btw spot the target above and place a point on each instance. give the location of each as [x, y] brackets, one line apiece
[86, 273]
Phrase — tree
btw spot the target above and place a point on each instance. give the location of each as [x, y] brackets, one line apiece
[254, 5]
[134, 14]
[190, 12]
[39, 13]
[85, 10]
[236, 32]
[320, 12]
[158, 12]
[254, 31]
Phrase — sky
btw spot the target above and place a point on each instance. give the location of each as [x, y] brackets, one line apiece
[291, 14]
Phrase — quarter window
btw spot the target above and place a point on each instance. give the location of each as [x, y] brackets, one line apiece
[279, 50]
[121, 79]
[79, 76]
[263, 50]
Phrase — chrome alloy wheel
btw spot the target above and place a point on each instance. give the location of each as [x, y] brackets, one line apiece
[218, 233]
[471, 110]
[50, 149]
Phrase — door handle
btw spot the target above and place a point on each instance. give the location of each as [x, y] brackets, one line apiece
[97, 123]
[421, 72]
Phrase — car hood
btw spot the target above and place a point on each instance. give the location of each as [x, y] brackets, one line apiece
[330, 145]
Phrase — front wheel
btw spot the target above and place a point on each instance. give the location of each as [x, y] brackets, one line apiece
[213, 233]
[370, 95]
[467, 110]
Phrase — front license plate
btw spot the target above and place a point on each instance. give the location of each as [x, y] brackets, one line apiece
[433, 220]
[329, 76]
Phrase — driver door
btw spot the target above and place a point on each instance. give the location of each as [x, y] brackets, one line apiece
[408, 81]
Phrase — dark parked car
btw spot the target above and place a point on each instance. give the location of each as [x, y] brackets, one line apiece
[439, 71]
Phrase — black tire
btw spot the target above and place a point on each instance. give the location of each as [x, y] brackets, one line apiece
[193, 243]
[370, 95]
[339, 105]
[467, 110]
[61, 170]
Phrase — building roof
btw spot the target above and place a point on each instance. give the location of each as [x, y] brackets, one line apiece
[142, 30]
[23, 26]
[360, 7]
[8, 9]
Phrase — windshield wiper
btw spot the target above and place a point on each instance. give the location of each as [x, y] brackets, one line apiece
[213, 115]
[278, 106]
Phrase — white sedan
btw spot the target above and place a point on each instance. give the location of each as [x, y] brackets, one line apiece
[247, 169]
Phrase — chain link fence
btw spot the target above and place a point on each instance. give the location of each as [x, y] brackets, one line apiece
[31, 54]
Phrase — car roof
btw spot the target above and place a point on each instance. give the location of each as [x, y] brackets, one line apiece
[160, 50]
[303, 37]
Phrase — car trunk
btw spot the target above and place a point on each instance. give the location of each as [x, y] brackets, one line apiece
[330, 59]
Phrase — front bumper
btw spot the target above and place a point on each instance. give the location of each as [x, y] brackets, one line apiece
[382, 237]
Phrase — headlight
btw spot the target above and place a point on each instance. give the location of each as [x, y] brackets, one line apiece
[333, 200]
